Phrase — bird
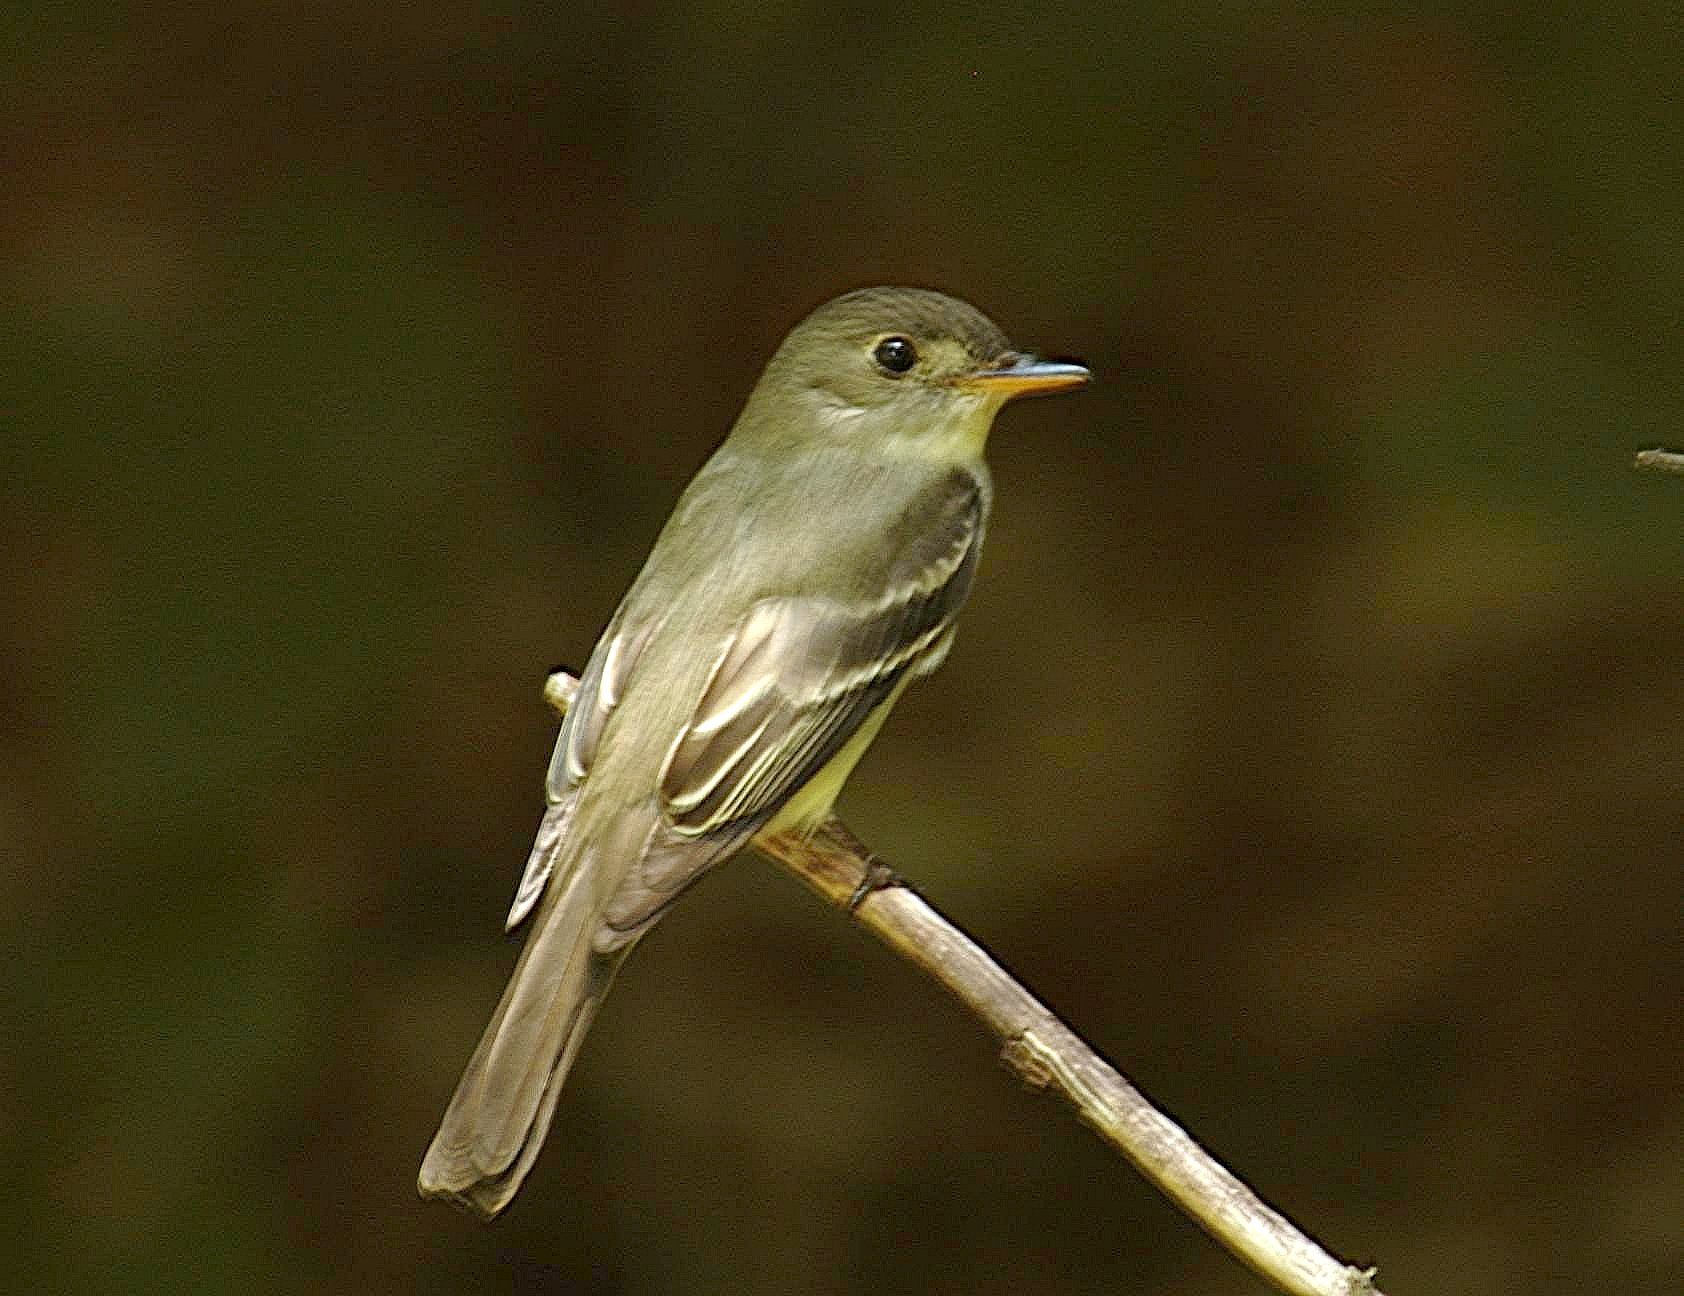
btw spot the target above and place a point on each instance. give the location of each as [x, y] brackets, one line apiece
[812, 569]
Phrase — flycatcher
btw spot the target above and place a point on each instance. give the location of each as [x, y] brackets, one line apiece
[813, 568]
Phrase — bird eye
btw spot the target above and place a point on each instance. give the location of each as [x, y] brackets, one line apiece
[895, 354]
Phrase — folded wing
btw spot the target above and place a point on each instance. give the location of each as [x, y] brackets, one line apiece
[800, 674]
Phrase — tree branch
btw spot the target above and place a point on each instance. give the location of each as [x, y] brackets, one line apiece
[1660, 460]
[1047, 1054]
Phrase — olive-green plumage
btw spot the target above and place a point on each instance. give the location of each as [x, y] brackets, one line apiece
[812, 569]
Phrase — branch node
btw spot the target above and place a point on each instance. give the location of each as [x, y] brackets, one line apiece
[878, 876]
[1023, 1057]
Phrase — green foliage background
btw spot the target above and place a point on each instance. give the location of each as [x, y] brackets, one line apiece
[1314, 740]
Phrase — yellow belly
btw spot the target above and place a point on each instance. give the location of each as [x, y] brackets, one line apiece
[809, 807]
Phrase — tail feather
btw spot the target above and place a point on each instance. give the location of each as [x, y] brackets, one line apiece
[503, 1104]
[596, 901]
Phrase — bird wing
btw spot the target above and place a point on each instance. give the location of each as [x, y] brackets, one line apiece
[799, 674]
[600, 689]
[791, 682]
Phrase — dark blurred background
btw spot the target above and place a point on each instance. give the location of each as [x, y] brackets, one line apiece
[1314, 740]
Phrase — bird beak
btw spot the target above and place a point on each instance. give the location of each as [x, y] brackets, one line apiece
[1024, 375]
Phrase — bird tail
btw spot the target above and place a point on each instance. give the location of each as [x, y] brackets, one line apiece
[503, 1104]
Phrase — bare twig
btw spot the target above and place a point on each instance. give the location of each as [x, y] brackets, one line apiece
[1047, 1054]
[1661, 460]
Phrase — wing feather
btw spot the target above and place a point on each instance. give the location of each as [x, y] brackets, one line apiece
[600, 689]
[800, 673]
[792, 681]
